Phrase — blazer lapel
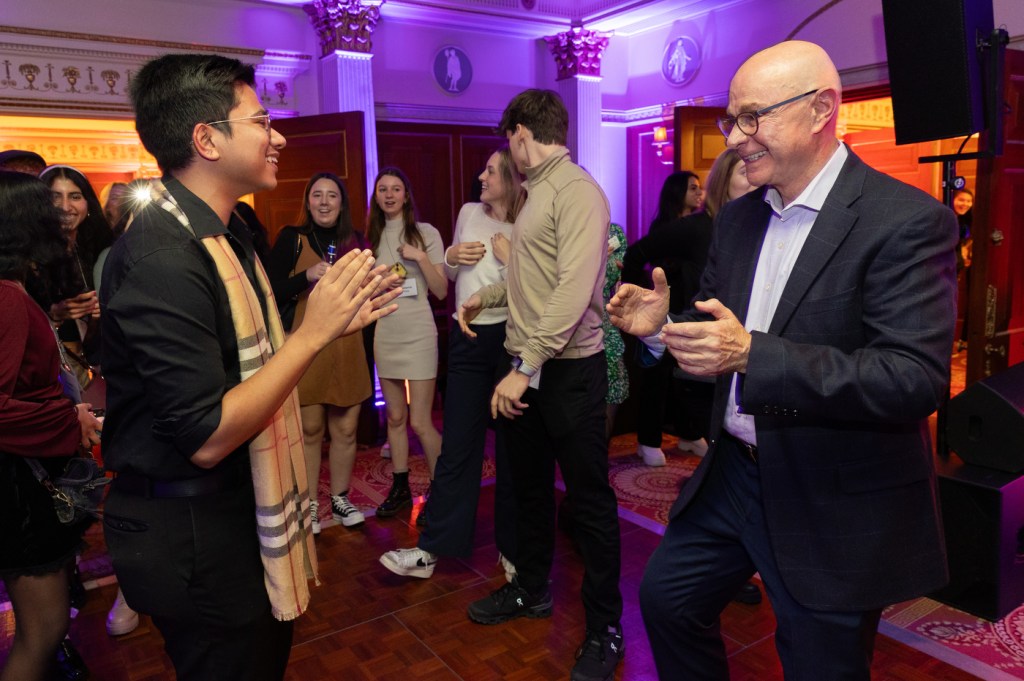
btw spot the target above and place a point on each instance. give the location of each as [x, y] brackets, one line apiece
[830, 228]
[744, 249]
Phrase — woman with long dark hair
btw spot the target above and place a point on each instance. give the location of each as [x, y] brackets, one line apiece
[681, 195]
[87, 233]
[405, 343]
[36, 420]
[338, 380]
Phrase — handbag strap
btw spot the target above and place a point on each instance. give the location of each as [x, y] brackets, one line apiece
[44, 479]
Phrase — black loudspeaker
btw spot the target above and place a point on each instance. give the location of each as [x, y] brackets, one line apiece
[985, 424]
[935, 70]
[983, 518]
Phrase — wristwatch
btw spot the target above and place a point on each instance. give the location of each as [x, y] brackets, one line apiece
[524, 369]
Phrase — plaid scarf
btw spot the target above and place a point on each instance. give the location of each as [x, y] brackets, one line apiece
[276, 454]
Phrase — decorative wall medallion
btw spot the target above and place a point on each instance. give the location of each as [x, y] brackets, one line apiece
[453, 71]
[681, 61]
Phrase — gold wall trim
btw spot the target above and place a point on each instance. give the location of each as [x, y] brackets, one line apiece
[12, 103]
[119, 40]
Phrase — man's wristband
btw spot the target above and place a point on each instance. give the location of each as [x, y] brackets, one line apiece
[524, 369]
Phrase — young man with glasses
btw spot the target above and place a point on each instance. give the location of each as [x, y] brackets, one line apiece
[206, 522]
[826, 313]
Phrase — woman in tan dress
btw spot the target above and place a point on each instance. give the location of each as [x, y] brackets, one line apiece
[405, 343]
[338, 380]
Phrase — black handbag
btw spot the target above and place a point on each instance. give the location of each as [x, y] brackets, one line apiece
[78, 491]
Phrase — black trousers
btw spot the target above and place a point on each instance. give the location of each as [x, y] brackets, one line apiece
[565, 423]
[193, 564]
[474, 367]
[708, 552]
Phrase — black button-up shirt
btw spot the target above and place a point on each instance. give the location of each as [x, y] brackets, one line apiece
[169, 349]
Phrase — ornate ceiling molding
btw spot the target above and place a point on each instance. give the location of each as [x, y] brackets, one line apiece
[121, 40]
[57, 72]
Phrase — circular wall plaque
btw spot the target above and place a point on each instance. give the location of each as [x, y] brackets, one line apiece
[453, 71]
[681, 60]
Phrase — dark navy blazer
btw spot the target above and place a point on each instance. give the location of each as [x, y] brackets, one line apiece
[841, 386]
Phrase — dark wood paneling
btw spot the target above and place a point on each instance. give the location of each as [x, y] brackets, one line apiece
[330, 142]
[441, 162]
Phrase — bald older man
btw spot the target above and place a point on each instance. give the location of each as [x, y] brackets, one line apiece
[826, 313]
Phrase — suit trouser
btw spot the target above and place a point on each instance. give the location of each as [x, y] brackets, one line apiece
[564, 423]
[474, 366]
[708, 552]
[193, 564]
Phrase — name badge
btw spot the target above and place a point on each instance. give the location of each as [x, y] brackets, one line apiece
[409, 289]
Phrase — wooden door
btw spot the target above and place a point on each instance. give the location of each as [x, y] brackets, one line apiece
[328, 142]
[441, 162]
[996, 335]
[698, 140]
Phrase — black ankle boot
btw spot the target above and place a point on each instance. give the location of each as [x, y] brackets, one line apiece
[69, 664]
[421, 519]
[76, 590]
[398, 498]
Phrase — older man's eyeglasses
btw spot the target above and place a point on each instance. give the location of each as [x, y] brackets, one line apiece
[263, 119]
[748, 120]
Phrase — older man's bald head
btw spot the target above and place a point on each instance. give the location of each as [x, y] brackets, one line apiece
[793, 90]
[795, 65]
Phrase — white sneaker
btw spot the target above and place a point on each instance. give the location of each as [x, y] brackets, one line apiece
[410, 562]
[698, 447]
[343, 510]
[385, 451]
[314, 517]
[121, 619]
[510, 569]
[652, 456]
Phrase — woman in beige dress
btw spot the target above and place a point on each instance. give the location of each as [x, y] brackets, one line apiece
[405, 343]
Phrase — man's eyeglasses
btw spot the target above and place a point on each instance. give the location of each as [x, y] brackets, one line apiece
[748, 120]
[264, 120]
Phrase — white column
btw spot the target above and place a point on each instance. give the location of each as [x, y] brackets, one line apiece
[346, 84]
[582, 97]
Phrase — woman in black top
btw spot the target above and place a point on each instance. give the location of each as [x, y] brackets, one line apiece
[338, 381]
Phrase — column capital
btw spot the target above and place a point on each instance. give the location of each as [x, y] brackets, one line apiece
[578, 51]
[344, 24]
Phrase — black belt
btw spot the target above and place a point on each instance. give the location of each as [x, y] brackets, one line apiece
[745, 447]
[209, 483]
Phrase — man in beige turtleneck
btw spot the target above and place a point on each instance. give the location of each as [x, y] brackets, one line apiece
[551, 402]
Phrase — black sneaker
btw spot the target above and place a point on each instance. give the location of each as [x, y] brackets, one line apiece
[599, 655]
[509, 602]
[398, 498]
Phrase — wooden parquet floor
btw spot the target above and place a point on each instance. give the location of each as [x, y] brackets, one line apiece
[367, 624]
